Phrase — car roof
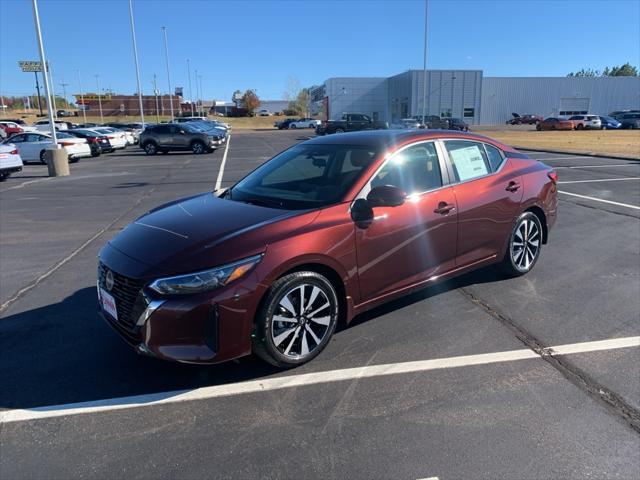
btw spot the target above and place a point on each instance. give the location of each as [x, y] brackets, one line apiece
[382, 139]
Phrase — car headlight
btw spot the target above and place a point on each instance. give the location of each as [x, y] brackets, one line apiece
[205, 280]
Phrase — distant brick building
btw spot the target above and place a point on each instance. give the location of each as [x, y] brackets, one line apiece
[113, 105]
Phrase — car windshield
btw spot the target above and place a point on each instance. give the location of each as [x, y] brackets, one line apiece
[190, 127]
[305, 176]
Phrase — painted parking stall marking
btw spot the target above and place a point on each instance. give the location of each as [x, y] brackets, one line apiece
[595, 199]
[294, 381]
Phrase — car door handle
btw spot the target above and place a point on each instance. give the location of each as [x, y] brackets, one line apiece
[444, 208]
[512, 187]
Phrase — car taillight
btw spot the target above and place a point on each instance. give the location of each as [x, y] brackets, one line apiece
[14, 152]
[93, 139]
[110, 137]
[66, 144]
[553, 176]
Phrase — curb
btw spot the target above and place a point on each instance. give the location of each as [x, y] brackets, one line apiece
[581, 154]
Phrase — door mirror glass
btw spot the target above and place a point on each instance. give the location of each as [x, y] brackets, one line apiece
[386, 196]
[361, 212]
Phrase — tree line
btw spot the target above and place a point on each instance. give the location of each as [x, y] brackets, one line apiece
[626, 70]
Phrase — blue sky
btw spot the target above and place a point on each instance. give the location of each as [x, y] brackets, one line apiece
[260, 44]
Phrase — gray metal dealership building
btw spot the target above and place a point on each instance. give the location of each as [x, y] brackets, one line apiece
[469, 95]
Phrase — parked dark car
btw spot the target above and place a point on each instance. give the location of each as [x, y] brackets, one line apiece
[173, 136]
[609, 123]
[324, 231]
[64, 113]
[617, 113]
[458, 124]
[630, 120]
[524, 119]
[284, 124]
[433, 122]
[97, 142]
[350, 122]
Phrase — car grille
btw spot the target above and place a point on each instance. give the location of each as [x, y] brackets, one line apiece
[127, 292]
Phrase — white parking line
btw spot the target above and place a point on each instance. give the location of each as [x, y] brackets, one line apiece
[603, 180]
[577, 157]
[293, 381]
[224, 161]
[602, 200]
[600, 166]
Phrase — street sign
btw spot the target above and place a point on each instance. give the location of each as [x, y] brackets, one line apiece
[30, 66]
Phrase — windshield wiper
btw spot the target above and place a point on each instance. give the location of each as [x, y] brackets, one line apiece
[264, 203]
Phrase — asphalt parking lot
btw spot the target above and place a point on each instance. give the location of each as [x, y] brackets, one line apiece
[462, 409]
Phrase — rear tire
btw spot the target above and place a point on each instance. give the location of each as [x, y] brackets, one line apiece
[579, 127]
[538, 127]
[296, 320]
[150, 148]
[292, 126]
[525, 243]
[42, 159]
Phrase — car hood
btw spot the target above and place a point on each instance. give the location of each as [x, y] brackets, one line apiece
[195, 233]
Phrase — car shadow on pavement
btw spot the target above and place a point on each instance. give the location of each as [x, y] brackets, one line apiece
[64, 353]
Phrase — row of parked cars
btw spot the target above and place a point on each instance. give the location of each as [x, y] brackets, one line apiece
[620, 119]
[27, 143]
[293, 123]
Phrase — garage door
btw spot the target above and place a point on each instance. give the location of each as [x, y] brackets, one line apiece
[574, 106]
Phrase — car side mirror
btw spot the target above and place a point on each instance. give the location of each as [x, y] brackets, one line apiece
[361, 212]
[386, 196]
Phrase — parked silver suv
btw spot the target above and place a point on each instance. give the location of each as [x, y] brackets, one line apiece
[580, 122]
[172, 136]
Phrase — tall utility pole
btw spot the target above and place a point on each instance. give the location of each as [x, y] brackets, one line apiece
[99, 99]
[190, 90]
[64, 93]
[135, 56]
[38, 89]
[84, 112]
[155, 92]
[198, 105]
[424, 73]
[166, 57]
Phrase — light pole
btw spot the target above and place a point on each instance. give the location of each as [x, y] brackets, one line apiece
[57, 159]
[84, 112]
[135, 56]
[424, 74]
[99, 99]
[190, 90]
[201, 96]
[64, 93]
[166, 57]
[53, 91]
[155, 92]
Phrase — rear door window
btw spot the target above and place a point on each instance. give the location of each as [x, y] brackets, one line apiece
[468, 159]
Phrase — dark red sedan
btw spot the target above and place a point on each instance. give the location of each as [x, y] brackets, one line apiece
[320, 233]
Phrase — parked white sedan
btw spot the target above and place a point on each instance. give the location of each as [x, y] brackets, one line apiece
[117, 138]
[31, 146]
[45, 127]
[305, 123]
[10, 161]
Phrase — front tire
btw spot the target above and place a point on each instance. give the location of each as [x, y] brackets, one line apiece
[42, 159]
[524, 246]
[579, 127]
[198, 148]
[296, 320]
[293, 126]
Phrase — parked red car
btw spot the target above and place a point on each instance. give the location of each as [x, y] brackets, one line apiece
[324, 231]
[553, 123]
[11, 128]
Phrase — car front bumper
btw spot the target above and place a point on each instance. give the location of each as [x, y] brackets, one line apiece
[205, 328]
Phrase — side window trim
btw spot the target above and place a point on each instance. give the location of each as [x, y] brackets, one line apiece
[444, 173]
[449, 165]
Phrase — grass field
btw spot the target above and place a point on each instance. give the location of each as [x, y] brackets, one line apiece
[604, 142]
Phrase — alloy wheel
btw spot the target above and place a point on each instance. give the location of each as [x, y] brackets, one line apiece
[301, 321]
[525, 245]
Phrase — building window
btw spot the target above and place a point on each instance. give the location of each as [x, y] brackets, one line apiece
[469, 112]
[375, 116]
